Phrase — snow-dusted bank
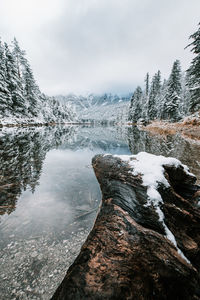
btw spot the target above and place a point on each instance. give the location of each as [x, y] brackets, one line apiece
[145, 242]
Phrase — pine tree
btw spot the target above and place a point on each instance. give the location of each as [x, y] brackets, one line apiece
[147, 85]
[14, 83]
[194, 72]
[174, 89]
[19, 56]
[162, 114]
[135, 111]
[5, 100]
[31, 91]
[154, 94]
[185, 96]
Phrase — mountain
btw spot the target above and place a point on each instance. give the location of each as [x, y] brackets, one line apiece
[105, 107]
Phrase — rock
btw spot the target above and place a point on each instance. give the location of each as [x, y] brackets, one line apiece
[139, 249]
[34, 254]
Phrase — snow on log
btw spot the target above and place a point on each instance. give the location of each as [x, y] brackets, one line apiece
[145, 243]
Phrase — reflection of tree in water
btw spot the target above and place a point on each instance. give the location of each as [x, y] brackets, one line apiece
[168, 145]
[22, 152]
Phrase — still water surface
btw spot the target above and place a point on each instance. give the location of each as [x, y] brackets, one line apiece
[49, 197]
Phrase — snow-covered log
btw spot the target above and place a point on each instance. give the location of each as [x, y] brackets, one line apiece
[145, 241]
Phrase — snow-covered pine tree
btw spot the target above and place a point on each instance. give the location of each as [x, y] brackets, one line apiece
[154, 95]
[144, 106]
[185, 96]
[162, 114]
[135, 111]
[14, 84]
[147, 85]
[5, 98]
[55, 106]
[31, 91]
[19, 56]
[174, 89]
[194, 72]
[145, 97]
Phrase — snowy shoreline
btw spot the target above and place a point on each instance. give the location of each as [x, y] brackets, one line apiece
[42, 124]
[188, 128]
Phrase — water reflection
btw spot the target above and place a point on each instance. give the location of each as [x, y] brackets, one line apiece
[48, 171]
[49, 197]
[22, 152]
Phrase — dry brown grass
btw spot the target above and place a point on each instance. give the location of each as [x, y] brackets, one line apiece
[189, 128]
[161, 130]
[193, 122]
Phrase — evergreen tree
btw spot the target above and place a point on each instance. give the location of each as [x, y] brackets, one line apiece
[185, 96]
[147, 85]
[162, 114]
[31, 91]
[174, 89]
[194, 72]
[135, 111]
[14, 83]
[154, 95]
[5, 100]
[19, 56]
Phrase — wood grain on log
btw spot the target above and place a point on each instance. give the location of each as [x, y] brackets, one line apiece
[127, 255]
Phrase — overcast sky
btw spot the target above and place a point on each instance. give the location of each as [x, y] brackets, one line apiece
[99, 45]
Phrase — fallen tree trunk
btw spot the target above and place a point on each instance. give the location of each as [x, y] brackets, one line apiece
[145, 241]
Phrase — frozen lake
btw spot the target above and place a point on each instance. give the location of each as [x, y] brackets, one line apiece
[49, 197]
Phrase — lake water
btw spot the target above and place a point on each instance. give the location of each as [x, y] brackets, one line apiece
[49, 197]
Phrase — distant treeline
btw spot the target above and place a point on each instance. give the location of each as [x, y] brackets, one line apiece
[170, 99]
[21, 100]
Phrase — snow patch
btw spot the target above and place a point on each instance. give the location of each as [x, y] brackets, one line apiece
[151, 168]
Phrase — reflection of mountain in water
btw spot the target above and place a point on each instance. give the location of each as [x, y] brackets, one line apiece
[109, 139]
[22, 152]
[185, 150]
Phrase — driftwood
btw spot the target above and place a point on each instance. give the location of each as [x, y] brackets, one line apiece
[127, 254]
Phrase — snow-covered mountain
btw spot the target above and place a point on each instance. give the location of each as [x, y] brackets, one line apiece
[99, 108]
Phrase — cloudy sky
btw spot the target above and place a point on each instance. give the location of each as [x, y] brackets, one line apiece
[99, 45]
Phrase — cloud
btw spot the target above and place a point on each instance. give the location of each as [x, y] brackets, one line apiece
[98, 45]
